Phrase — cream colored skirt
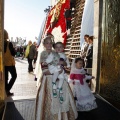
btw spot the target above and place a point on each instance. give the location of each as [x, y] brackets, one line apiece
[49, 108]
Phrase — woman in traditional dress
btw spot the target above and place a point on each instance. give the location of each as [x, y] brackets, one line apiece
[48, 107]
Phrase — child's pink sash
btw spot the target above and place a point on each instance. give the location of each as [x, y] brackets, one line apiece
[79, 77]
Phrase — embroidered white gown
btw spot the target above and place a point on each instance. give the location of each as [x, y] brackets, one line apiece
[49, 108]
[85, 100]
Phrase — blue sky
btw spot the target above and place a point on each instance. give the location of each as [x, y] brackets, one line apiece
[23, 18]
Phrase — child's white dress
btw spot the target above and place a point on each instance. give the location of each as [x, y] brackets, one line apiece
[54, 68]
[85, 100]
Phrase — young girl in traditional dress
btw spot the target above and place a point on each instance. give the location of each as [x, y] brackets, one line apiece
[48, 107]
[85, 100]
[55, 70]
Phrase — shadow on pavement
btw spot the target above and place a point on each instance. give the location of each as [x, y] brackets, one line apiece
[20, 110]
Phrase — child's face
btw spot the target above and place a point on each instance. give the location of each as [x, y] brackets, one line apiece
[48, 44]
[59, 48]
[79, 64]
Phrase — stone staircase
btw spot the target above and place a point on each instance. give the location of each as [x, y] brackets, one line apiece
[72, 49]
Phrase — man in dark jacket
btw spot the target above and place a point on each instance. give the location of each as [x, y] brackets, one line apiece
[31, 56]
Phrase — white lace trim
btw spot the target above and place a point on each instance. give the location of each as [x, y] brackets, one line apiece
[86, 107]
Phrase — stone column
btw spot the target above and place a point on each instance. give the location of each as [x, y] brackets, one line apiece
[2, 90]
[97, 45]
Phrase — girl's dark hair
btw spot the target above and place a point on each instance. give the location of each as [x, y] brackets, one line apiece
[54, 45]
[91, 37]
[46, 38]
[80, 59]
[86, 35]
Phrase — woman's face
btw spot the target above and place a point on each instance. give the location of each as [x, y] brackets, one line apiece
[48, 44]
[79, 64]
[86, 39]
[90, 41]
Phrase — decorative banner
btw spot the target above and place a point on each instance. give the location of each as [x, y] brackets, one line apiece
[56, 21]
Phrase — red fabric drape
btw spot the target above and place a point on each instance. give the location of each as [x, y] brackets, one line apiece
[61, 21]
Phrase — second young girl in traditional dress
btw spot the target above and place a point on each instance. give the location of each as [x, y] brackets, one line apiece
[85, 100]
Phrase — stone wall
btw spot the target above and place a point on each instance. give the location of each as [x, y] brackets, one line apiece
[110, 55]
[106, 53]
[97, 48]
